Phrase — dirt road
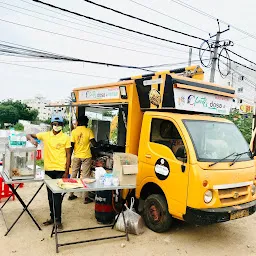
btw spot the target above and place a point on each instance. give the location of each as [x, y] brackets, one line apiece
[236, 237]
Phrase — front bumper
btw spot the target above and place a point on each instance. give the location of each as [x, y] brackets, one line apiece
[216, 215]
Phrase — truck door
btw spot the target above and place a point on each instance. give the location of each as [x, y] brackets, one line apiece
[166, 158]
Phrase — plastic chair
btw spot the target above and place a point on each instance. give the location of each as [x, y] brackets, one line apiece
[5, 191]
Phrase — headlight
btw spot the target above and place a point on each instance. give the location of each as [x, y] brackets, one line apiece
[253, 189]
[208, 196]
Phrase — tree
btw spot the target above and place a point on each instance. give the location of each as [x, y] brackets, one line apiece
[243, 122]
[108, 113]
[8, 114]
[18, 127]
[24, 112]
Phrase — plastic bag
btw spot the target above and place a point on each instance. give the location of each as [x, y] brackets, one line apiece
[134, 222]
[99, 172]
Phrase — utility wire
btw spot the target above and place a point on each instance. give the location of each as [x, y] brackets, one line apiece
[170, 64]
[212, 17]
[86, 40]
[51, 32]
[52, 22]
[246, 47]
[142, 20]
[114, 25]
[98, 26]
[154, 10]
[43, 55]
[252, 84]
[56, 57]
[55, 70]
[240, 56]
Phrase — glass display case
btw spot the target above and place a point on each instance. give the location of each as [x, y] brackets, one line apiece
[20, 163]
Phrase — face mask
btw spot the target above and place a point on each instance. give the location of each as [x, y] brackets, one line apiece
[57, 128]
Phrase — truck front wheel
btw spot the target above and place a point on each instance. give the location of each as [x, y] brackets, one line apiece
[156, 214]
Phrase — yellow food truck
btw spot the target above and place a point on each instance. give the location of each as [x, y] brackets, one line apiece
[192, 165]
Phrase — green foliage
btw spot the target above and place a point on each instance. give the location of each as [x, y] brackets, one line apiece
[243, 122]
[8, 114]
[13, 110]
[113, 136]
[40, 163]
[18, 127]
[65, 128]
[107, 113]
[48, 121]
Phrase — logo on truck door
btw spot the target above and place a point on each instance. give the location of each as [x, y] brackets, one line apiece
[162, 169]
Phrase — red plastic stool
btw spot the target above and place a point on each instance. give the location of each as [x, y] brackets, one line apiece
[5, 190]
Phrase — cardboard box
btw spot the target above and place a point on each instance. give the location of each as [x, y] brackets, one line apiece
[125, 168]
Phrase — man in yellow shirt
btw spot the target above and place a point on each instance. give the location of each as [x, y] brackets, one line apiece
[81, 138]
[57, 159]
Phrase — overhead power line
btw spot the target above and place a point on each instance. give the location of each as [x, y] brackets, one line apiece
[246, 47]
[142, 20]
[252, 84]
[240, 56]
[170, 64]
[212, 17]
[55, 70]
[106, 30]
[242, 65]
[163, 14]
[52, 22]
[85, 40]
[101, 27]
[114, 25]
[26, 52]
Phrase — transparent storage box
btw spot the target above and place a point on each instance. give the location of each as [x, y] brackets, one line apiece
[20, 163]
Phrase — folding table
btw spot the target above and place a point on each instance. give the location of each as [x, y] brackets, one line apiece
[14, 189]
[95, 186]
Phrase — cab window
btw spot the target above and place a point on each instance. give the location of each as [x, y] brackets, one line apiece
[165, 132]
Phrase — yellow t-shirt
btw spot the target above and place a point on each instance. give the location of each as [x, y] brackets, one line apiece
[54, 150]
[81, 136]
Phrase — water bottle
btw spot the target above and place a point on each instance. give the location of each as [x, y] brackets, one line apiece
[23, 140]
[12, 140]
[18, 140]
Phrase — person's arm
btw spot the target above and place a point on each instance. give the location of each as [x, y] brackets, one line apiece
[93, 142]
[68, 162]
[31, 138]
[72, 148]
[92, 139]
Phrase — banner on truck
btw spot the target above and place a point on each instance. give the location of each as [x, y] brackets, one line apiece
[202, 102]
[100, 94]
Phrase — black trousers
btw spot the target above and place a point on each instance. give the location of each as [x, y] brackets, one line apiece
[57, 197]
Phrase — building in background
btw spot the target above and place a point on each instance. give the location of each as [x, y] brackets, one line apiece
[244, 82]
[41, 104]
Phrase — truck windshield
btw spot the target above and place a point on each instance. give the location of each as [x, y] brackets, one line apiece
[214, 141]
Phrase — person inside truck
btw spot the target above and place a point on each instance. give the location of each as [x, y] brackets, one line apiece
[166, 133]
[81, 138]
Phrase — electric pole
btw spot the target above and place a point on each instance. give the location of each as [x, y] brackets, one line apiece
[190, 56]
[215, 53]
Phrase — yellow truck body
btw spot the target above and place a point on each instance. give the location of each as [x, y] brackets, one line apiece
[192, 166]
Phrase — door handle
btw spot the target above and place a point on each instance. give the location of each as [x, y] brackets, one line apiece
[148, 156]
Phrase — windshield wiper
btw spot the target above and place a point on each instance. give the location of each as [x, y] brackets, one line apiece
[239, 155]
[221, 159]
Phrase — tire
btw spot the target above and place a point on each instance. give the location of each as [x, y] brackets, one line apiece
[156, 214]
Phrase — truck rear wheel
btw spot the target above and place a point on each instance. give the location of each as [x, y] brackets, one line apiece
[156, 214]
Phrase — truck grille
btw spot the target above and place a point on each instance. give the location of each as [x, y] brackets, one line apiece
[233, 196]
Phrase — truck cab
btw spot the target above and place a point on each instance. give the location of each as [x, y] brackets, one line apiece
[200, 168]
[192, 164]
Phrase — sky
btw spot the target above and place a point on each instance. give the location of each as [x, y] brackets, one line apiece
[78, 37]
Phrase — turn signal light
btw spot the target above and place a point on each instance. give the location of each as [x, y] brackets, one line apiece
[205, 183]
